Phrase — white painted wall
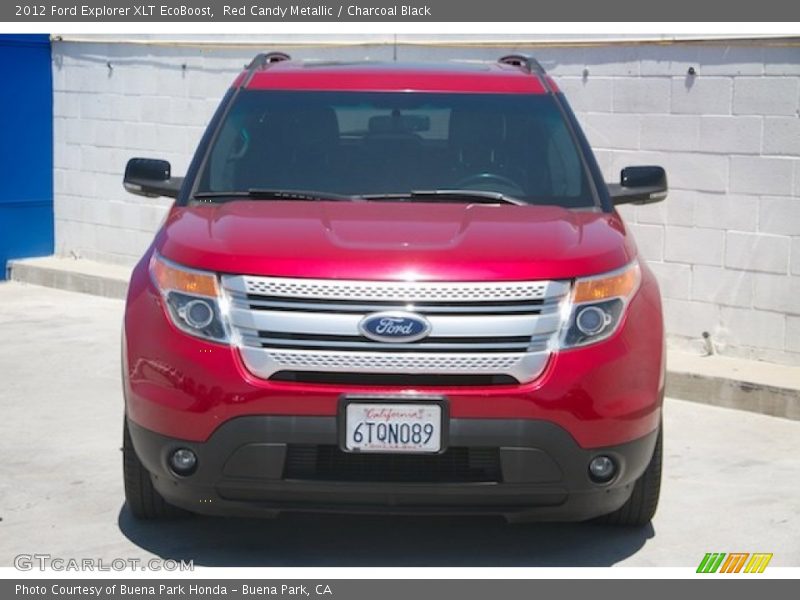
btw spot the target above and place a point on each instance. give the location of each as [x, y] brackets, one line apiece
[725, 245]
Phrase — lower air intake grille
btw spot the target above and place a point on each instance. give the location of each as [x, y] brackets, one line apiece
[398, 379]
[455, 465]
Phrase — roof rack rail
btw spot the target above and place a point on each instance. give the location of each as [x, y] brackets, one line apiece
[262, 60]
[527, 63]
[265, 58]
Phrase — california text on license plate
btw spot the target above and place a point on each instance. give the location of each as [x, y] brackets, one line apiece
[383, 427]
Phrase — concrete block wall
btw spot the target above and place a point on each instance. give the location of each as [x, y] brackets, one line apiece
[725, 245]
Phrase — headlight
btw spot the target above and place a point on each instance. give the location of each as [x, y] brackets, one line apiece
[193, 299]
[596, 305]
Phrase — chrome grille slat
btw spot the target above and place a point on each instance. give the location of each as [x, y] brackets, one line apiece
[360, 338]
[333, 323]
[418, 346]
[312, 325]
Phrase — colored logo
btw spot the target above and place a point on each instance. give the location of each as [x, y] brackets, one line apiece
[394, 327]
[734, 562]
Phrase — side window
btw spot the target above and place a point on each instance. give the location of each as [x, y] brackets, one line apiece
[232, 143]
[564, 163]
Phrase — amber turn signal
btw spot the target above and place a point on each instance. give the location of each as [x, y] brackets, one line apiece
[169, 277]
[621, 284]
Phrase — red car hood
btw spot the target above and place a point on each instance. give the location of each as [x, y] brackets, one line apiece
[395, 240]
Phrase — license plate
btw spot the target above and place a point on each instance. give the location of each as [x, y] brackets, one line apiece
[381, 427]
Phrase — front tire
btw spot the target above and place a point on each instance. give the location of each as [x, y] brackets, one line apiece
[641, 506]
[143, 499]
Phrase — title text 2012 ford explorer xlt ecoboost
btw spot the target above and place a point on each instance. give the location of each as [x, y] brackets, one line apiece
[396, 288]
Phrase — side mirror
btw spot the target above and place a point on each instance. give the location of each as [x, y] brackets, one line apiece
[639, 185]
[151, 177]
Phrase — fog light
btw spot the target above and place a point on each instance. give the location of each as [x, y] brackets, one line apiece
[602, 469]
[592, 320]
[183, 461]
[198, 313]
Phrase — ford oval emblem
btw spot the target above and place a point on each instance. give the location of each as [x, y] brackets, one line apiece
[396, 327]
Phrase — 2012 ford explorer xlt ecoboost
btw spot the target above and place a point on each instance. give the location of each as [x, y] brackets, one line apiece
[397, 288]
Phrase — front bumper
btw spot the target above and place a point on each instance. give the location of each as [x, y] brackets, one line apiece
[243, 470]
[185, 388]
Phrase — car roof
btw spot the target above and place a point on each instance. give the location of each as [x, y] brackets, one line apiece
[463, 77]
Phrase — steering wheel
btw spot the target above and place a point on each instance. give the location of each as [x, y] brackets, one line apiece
[488, 178]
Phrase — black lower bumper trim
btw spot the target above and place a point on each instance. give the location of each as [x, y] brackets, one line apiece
[242, 470]
[322, 462]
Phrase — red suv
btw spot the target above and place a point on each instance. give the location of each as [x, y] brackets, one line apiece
[396, 288]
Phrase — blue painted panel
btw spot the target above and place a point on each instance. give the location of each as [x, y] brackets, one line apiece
[26, 148]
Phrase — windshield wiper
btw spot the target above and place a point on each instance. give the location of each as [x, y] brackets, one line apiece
[472, 196]
[270, 194]
[480, 196]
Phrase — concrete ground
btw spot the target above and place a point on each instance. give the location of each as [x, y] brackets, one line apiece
[731, 477]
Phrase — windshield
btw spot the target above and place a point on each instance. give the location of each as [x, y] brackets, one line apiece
[393, 143]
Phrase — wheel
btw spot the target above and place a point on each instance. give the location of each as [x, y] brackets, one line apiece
[142, 498]
[641, 506]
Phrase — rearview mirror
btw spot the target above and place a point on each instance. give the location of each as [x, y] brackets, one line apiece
[639, 185]
[151, 177]
[399, 123]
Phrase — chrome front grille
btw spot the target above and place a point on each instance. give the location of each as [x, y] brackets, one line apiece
[391, 291]
[290, 325]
